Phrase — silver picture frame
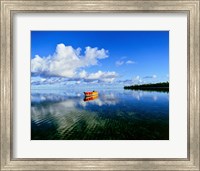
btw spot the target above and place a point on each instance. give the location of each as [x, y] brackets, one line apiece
[11, 7]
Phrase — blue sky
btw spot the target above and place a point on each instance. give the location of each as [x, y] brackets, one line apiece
[114, 58]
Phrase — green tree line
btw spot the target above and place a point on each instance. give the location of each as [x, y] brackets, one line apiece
[151, 86]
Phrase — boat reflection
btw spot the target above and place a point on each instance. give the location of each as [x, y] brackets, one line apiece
[90, 98]
[112, 115]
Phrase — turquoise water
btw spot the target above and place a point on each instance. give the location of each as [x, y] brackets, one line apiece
[115, 115]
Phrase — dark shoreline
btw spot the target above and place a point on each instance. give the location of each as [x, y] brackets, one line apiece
[150, 87]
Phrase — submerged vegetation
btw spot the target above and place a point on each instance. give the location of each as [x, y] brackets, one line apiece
[163, 86]
[114, 115]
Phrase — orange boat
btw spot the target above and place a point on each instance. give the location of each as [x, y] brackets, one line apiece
[91, 93]
[90, 98]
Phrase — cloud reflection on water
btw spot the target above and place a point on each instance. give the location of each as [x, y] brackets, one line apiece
[62, 114]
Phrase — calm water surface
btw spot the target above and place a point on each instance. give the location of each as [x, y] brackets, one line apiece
[115, 115]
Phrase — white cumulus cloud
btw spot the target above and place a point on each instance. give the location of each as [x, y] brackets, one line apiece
[121, 62]
[66, 61]
[100, 76]
[67, 65]
[130, 62]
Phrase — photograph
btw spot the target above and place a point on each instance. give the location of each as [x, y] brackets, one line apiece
[99, 85]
